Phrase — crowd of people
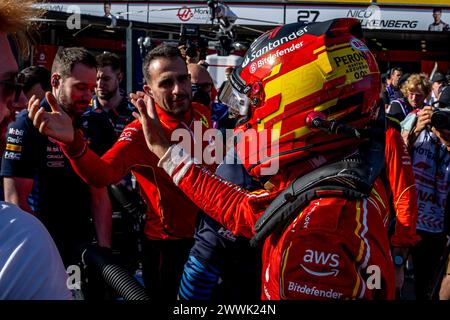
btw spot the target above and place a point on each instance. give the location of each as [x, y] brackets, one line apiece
[345, 196]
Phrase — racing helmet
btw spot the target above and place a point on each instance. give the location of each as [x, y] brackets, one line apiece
[297, 73]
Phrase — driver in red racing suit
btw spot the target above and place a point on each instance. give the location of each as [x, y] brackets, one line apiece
[312, 90]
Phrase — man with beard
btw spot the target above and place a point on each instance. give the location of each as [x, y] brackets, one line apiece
[38, 177]
[108, 96]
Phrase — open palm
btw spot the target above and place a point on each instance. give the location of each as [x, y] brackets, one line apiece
[56, 123]
[153, 131]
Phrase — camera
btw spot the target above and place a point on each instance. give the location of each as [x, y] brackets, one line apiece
[194, 44]
[189, 34]
[440, 119]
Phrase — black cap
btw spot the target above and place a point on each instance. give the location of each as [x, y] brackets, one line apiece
[438, 77]
[444, 98]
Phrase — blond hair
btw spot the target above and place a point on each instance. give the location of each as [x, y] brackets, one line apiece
[15, 21]
[417, 81]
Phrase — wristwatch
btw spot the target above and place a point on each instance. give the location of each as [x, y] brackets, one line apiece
[399, 261]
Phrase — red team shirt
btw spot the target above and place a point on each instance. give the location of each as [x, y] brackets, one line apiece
[170, 215]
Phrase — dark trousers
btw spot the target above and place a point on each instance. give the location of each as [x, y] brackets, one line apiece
[163, 262]
[426, 255]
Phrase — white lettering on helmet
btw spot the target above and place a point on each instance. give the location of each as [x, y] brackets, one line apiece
[273, 45]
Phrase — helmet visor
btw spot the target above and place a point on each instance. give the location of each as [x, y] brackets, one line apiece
[237, 102]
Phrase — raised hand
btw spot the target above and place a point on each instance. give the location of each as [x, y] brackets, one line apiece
[138, 95]
[56, 124]
[153, 131]
[423, 118]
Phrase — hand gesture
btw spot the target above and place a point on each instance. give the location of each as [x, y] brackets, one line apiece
[423, 118]
[153, 131]
[56, 124]
[138, 95]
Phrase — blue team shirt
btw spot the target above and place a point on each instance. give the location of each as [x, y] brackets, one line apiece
[59, 198]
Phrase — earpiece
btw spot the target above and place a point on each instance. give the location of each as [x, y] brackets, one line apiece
[55, 82]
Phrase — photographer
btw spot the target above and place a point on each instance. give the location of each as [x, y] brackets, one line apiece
[427, 135]
[438, 83]
[189, 52]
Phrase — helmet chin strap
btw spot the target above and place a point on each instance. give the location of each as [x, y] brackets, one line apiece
[317, 121]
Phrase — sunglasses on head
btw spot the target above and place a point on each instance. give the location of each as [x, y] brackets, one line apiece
[14, 85]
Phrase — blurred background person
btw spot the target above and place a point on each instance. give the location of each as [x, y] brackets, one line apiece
[392, 87]
[204, 92]
[36, 81]
[415, 89]
[438, 82]
[228, 71]
[108, 95]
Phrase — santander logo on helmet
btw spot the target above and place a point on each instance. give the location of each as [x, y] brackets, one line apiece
[257, 51]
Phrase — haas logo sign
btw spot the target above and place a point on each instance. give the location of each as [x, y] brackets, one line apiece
[320, 258]
[184, 13]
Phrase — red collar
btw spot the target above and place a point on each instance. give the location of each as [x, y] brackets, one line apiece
[171, 123]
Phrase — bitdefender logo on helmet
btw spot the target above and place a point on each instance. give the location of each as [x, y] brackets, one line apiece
[253, 55]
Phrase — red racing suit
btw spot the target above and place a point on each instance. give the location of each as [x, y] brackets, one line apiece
[402, 188]
[336, 248]
[170, 214]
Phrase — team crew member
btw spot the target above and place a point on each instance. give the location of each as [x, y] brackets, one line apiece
[170, 220]
[204, 92]
[37, 175]
[36, 81]
[328, 247]
[109, 102]
[108, 96]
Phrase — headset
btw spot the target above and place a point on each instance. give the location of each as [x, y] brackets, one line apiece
[55, 82]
